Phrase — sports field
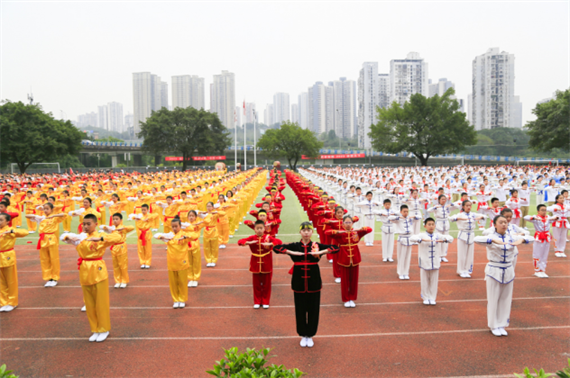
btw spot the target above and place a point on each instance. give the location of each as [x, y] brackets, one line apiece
[389, 334]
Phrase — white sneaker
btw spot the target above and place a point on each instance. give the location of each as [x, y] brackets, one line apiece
[402, 277]
[9, 308]
[503, 332]
[391, 259]
[432, 302]
[544, 275]
[53, 283]
[467, 275]
[537, 274]
[94, 337]
[181, 305]
[176, 305]
[444, 259]
[48, 284]
[557, 254]
[426, 302]
[337, 280]
[406, 277]
[347, 304]
[147, 266]
[303, 342]
[562, 254]
[213, 265]
[195, 283]
[117, 285]
[102, 337]
[266, 306]
[310, 342]
[496, 332]
[256, 306]
[352, 304]
[190, 283]
[2, 308]
[84, 308]
[231, 236]
[143, 266]
[32, 232]
[123, 285]
[330, 261]
[385, 260]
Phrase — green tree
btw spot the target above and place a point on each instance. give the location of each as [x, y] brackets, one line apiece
[290, 141]
[500, 141]
[185, 131]
[110, 139]
[551, 129]
[29, 135]
[424, 126]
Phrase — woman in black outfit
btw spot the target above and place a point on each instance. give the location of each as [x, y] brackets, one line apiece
[306, 281]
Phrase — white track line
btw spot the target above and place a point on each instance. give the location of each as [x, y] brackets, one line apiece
[276, 285]
[291, 306]
[264, 337]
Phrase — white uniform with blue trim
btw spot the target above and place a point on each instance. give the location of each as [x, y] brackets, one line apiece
[466, 224]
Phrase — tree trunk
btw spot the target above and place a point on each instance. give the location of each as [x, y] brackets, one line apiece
[157, 160]
[423, 160]
[183, 162]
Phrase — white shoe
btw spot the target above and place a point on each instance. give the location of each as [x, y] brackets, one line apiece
[347, 304]
[303, 342]
[256, 306]
[444, 259]
[385, 260]
[391, 259]
[467, 275]
[84, 308]
[426, 302]
[181, 305]
[543, 275]
[195, 283]
[310, 342]
[53, 283]
[2, 308]
[123, 285]
[102, 337]
[147, 266]
[48, 284]
[143, 266]
[117, 285]
[352, 304]
[266, 306]
[231, 236]
[190, 283]
[337, 280]
[32, 232]
[432, 302]
[9, 308]
[407, 277]
[562, 254]
[526, 228]
[538, 274]
[503, 332]
[176, 305]
[402, 277]
[213, 265]
[330, 261]
[94, 337]
[481, 228]
[496, 332]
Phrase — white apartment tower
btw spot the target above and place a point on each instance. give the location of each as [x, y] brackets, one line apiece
[281, 108]
[103, 117]
[317, 114]
[344, 108]
[492, 102]
[223, 98]
[295, 113]
[367, 101]
[304, 110]
[440, 87]
[147, 96]
[407, 77]
[115, 116]
[188, 91]
[268, 115]
[384, 90]
[87, 119]
[250, 112]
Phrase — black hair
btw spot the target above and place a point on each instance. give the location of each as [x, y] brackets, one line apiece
[49, 204]
[497, 218]
[367, 193]
[5, 201]
[118, 215]
[90, 216]
[387, 201]
[144, 205]
[51, 197]
[464, 203]
[494, 199]
[337, 208]
[428, 220]
[88, 199]
[539, 206]
[403, 207]
[167, 197]
[505, 211]
[116, 195]
[7, 216]
[259, 222]
[347, 216]
[440, 197]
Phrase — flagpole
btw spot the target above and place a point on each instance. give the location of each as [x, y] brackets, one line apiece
[235, 135]
[244, 140]
[254, 139]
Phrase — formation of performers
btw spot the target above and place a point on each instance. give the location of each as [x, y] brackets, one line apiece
[342, 205]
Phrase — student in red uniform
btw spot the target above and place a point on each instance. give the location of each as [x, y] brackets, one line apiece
[261, 263]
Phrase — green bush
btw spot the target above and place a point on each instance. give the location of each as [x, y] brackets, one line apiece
[6, 373]
[250, 364]
[564, 373]
[539, 374]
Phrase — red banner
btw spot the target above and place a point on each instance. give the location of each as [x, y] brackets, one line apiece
[340, 156]
[195, 158]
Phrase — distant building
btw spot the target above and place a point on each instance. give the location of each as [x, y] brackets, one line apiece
[115, 116]
[129, 122]
[344, 107]
[188, 91]
[303, 102]
[268, 115]
[407, 77]
[87, 119]
[250, 112]
[223, 97]
[103, 117]
[281, 108]
[238, 115]
[147, 96]
[440, 87]
[492, 102]
[317, 116]
[368, 96]
[295, 113]
[383, 90]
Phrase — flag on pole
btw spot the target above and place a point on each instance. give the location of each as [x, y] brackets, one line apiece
[71, 172]
[244, 106]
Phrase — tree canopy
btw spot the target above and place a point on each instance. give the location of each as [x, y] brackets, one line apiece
[500, 141]
[551, 129]
[29, 135]
[185, 131]
[290, 141]
[424, 126]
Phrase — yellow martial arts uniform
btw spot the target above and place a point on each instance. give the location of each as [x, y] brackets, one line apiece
[8, 269]
[211, 241]
[177, 263]
[194, 255]
[31, 204]
[67, 206]
[144, 241]
[89, 210]
[224, 224]
[49, 248]
[169, 213]
[120, 256]
[94, 280]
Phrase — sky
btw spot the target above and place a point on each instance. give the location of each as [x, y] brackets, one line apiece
[76, 55]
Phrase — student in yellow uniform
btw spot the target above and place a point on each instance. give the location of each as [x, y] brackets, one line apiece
[144, 241]
[31, 202]
[232, 213]
[115, 206]
[48, 244]
[100, 207]
[67, 206]
[192, 229]
[119, 250]
[93, 275]
[8, 269]
[223, 221]
[211, 234]
[177, 262]
[83, 211]
[170, 211]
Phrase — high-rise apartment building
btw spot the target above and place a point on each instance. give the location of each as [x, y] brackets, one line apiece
[164, 95]
[129, 122]
[368, 96]
[87, 119]
[281, 108]
[268, 115]
[440, 87]
[238, 115]
[407, 77]
[492, 102]
[103, 117]
[223, 97]
[303, 102]
[250, 112]
[115, 116]
[344, 107]
[188, 91]
[384, 90]
[295, 113]
[317, 115]
[147, 96]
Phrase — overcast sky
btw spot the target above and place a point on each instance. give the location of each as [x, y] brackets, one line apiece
[77, 55]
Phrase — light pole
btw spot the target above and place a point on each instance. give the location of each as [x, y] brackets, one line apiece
[244, 146]
[235, 135]
[254, 138]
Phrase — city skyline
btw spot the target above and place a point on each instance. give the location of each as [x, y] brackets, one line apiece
[42, 59]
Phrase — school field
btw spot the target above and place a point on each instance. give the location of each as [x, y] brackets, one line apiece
[389, 334]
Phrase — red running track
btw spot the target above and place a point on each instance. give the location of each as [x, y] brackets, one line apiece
[389, 334]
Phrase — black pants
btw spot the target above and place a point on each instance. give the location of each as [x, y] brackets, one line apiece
[307, 307]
